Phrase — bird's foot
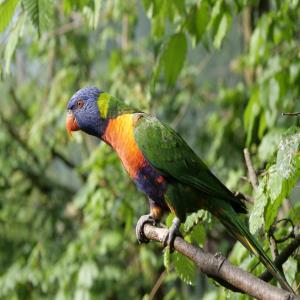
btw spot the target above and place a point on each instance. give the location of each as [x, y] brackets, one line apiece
[172, 233]
[139, 229]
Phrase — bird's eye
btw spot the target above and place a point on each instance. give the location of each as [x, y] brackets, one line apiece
[79, 103]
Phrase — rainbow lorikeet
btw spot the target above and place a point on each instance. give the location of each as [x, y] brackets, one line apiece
[163, 166]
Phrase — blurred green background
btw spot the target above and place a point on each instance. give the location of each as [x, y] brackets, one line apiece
[220, 72]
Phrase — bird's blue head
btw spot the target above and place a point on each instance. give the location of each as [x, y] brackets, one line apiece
[83, 112]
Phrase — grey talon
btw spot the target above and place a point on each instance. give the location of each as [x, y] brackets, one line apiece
[139, 229]
[173, 232]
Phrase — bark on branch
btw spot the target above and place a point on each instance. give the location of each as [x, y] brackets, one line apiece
[218, 267]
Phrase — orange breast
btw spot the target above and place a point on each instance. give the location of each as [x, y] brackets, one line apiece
[119, 134]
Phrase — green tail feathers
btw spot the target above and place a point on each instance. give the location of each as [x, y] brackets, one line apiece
[238, 229]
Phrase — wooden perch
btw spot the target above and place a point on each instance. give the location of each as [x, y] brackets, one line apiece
[219, 268]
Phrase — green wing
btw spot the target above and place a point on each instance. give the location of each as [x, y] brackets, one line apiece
[168, 152]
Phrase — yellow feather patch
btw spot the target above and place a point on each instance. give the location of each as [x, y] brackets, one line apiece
[103, 104]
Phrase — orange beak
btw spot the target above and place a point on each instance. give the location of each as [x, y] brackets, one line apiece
[71, 123]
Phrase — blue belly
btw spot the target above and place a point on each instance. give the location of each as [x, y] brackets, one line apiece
[147, 180]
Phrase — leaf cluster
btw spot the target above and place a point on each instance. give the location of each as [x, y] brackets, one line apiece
[220, 72]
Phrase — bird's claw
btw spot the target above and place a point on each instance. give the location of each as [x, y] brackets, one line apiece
[139, 229]
[172, 234]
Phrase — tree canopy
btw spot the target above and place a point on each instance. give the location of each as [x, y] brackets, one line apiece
[225, 74]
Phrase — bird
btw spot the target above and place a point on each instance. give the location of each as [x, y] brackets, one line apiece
[163, 166]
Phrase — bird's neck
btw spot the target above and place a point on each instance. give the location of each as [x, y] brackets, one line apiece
[119, 133]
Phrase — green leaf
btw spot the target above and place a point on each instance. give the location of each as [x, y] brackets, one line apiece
[148, 6]
[277, 193]
[274, 183]
[258, 42]
[268, 145]
[161, 11]
[262, 125]
[7, 10]
[173, 56]
[255, 43]
[32, 8]
[222, 29]
[40, 12]
[271, 212]
[198, 20]
[82, 294]
[288, 148]
[202, 19]
[216, 12]
[198, 235]
[238, 254]
[251, 113]
[13, 41]
[290, 269]
[185, 268]
[97, 7]
[167, 258]
[169, 219]
[269, 96]
[256, 218]
[194, 219]
[180, 6]
[294, 72]
[283, 175]
[87, 273]
[158, 27]
[274, 92]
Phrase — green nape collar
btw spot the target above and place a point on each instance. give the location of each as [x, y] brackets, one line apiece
[111, 107]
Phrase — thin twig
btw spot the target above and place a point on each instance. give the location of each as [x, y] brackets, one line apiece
[157, 285]
[251, 171]
[17, 103]
[282, 257]
[218, 267]
[273, 241]
[291, 234]
[64, 29]
[274, 249]
[290, 113]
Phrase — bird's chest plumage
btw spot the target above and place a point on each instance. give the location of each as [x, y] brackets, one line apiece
[120, 135]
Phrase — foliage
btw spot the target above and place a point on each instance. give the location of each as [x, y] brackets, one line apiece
[220, 72]
[278, 181]
[7, 9]
[40, 13]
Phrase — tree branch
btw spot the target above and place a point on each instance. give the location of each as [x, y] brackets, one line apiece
[247, 26]
[18, 139]
[157, 285]
[274, 241]
[251, 171]
[218, 267]
[282, 257]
